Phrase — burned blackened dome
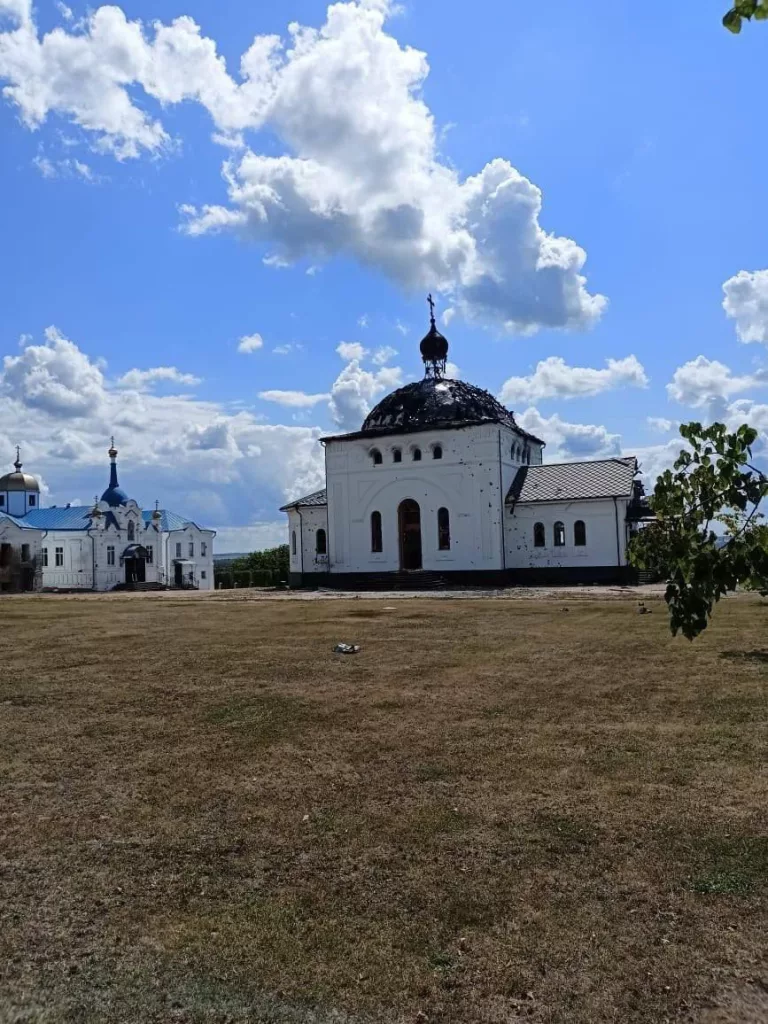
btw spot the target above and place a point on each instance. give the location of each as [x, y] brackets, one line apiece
[434, 346]
[432, 403]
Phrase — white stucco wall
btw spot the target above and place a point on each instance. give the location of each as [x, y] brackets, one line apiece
[191, 538]
[600, 518]
[86, 556]
[471, 481]
[17, 538]
[304, 524]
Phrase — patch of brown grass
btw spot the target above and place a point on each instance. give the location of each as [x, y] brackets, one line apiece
[495, 811]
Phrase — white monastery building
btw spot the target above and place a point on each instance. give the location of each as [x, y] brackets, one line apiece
[113, 545]
[440, 485]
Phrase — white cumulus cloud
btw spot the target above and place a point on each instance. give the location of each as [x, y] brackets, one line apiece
[56, 378]
[570, 441]
[707, 384]
[553, 378]
[355, 390]
[351, 350]
[218, 466]
[746, 301]
[359, 173]
[140, 380]
[293, 399]
[383, 354]
[250, 343]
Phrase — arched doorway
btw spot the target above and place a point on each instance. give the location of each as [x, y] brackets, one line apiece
[409, 523]
[135, 562]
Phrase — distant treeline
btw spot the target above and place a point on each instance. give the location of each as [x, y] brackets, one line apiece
[259, 569]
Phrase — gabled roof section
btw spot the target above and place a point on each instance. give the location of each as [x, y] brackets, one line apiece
[314, 500]
[76, 517]
[168, 520]
[574, 481]
[17, 522]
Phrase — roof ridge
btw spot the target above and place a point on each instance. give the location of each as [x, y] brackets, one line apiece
[585, 462]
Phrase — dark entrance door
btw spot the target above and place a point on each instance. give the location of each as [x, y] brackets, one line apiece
[135, 570]
[178, 574]
[409, 521]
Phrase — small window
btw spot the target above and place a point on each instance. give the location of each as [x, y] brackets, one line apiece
[45, 558]
[110, 555]
[203, 549]
[539, 535]
[559, 535]
[437, 451]
[443, 529]
[579, 533]
[25, 552]
[2, 500]
[131, 530]
[527, 456]
[203, 574]
[376, 537]
[417, 454]
[150, 554]
[514, 453]
[293, 543]
[32, 500]
[376, 457]
[191, 549]
[321, 542]
[178, 549]
[59, 557]
[397, 455]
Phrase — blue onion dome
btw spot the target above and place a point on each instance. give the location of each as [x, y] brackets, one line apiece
[114, 494]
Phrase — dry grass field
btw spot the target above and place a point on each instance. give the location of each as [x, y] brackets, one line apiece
[498, 810]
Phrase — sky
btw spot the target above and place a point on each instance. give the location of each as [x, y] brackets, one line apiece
[221, 222]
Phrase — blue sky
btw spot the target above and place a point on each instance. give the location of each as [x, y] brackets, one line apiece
[641, 128]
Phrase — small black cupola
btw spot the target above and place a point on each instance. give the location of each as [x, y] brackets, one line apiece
[434, 346]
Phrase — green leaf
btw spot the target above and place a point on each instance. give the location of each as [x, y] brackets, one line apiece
[732, 22]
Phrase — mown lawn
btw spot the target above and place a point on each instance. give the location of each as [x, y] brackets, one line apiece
[497, 810]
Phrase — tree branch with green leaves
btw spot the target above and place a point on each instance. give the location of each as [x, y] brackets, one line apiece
[713, 483]
[745, 9]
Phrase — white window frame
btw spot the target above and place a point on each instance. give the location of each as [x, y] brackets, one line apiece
[59, 557]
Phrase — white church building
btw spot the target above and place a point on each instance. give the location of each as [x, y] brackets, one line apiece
[441, 486]
[114, 544]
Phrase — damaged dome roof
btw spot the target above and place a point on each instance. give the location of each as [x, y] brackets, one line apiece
[435, 402]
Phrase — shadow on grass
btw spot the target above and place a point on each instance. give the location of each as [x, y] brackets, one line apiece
[758, 656]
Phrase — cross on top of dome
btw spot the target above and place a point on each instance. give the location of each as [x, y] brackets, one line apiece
[434, 346]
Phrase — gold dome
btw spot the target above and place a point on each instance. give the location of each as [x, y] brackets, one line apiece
[18, 481]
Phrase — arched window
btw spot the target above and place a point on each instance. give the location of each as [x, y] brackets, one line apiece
[397, 455]
[376, 538]
[293, 543]
[539, 535]
[579, 533]
[417, 454]
[527, 455]
[376, 456]
[321, 543]
[559, 535]
[437, 451]
[514, 453]
[443, 529]
[131, 530]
